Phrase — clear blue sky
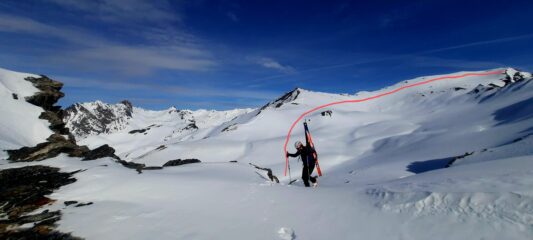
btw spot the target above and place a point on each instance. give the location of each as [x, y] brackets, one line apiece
[229, 54]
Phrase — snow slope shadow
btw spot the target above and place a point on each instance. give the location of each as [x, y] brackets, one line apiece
[515, 112]
[429, 165]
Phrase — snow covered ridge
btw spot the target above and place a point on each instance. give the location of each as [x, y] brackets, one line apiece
[94, 118]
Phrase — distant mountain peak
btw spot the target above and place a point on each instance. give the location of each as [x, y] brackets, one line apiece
[97, 117]
[286, 98]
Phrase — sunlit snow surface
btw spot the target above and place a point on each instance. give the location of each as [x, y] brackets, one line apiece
[383, 164]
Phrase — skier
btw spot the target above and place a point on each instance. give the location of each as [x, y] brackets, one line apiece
[306, 153]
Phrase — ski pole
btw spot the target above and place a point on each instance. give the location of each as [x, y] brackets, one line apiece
[290, 179]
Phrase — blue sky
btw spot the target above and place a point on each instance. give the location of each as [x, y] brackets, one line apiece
[233, 54]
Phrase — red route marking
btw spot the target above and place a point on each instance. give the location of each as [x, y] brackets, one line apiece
[374, 97]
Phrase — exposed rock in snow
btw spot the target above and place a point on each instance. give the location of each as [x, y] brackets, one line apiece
[179, 162]
[54, 145]
[326, 113]
[48, 96]
[23, 191]
[100, 152]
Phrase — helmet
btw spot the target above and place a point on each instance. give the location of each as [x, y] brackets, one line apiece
[297, 144]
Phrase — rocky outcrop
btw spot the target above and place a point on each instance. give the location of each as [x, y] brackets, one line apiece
[54, 145]
[59, 142]
[23, 191]
[101, 152]
[48, 96]
[179, 162]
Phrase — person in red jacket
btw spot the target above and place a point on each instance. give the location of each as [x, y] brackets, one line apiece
[306, 153]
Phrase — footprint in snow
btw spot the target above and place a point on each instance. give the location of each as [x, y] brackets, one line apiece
[286, 234]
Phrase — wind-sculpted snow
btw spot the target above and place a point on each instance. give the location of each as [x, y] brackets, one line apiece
[514, 208]
[493, 191]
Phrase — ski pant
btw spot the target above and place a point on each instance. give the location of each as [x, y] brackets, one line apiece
[306, 174]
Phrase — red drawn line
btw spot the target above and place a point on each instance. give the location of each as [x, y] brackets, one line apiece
[374, 97]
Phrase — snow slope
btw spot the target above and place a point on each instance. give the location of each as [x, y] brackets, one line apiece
[384, 164]
[20, 125]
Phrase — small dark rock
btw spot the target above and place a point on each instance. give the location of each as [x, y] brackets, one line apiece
[326, 113]
[83, 204]
[231, 127]
[179, 162]
[68, 203]
[191, 126]
[138, 131]
[15, 96]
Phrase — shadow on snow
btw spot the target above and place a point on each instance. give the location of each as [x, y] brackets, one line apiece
[429, 165]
